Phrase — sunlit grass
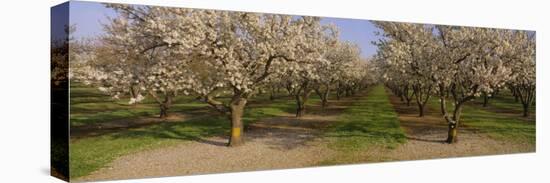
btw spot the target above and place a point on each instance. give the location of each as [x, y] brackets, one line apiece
[498, 125]
[371, 122]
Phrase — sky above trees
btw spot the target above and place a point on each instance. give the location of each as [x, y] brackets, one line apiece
[88, 17]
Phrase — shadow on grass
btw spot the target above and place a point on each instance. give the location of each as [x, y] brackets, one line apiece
[196, 129]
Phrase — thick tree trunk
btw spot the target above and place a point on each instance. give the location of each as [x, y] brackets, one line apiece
[452, 136]
[237, 109]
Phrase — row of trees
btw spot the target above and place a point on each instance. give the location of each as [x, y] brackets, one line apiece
[455, 63]
[162, 52]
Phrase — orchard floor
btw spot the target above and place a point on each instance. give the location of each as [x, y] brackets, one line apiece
[273, 143]
[287, 142]
[426, 135]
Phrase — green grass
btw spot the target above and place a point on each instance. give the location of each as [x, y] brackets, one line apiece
[498, 125]
[90, 106]
[504, 100]
[370, 122]
[91, 153]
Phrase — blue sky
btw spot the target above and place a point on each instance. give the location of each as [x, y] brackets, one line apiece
[88, 17]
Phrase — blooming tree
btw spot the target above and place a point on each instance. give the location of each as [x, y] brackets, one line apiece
[340, 59]
[410, 50]
[453, 62]
[520, 55]
[129, 60]
[218, 53]
[472, 64]
[303, 74]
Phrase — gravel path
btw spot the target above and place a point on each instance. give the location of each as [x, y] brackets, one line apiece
[276, 143]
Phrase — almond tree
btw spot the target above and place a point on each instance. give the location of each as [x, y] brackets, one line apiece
[459, 63]
[305, 73]
[339, 58]
[410, 50]
[238, 52]
[471, 63]
[521, 56]
[129, 60]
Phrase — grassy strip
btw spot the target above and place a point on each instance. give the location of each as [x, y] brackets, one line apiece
[370, 122]
[505, 101]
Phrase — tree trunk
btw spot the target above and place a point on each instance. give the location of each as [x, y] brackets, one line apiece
[324, 96]
[408, 101]
[237, 109]
[301, 107]
[452, 136]
[338, 88]
[271, 95]
[165, 105]
[422, 98]
[525, 110]
[420, 109]
[301, 99]
[134, 92]
[485, 100]
[442, 100]
[407, 98]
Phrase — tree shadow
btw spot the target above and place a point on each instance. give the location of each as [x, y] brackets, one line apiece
[197, 129]
[287, 133]
[426, 140]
